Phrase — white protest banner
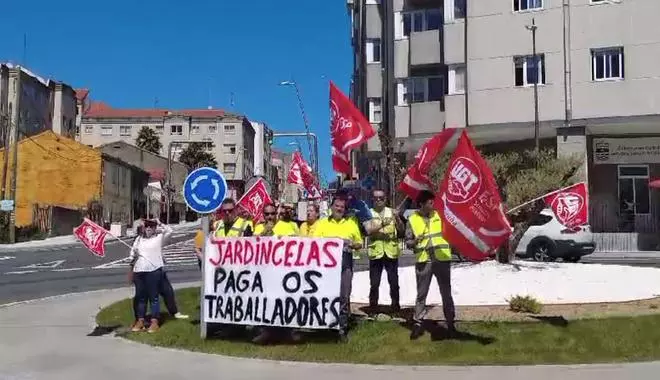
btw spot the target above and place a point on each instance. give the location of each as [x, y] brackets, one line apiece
[273, 281]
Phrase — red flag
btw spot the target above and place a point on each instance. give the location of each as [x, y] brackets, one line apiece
[470, 205]
[348, 129]
[570, 205]
[254, 200]
[417, 178]
[92, 236]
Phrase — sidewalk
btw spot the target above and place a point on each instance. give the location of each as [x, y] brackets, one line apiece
[67, 241]
[47, 339]
[627, 255]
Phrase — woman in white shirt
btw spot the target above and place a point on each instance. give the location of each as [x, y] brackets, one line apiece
[147, 262]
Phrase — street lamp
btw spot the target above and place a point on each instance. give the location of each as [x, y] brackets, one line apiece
[532, 28]
[312, 153]
[296, 144]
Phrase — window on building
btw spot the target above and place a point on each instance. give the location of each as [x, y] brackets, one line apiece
[373, 50]
[124, 130]
[599, 1]
[417, 21]
[459, 9]
[89, 129]
[375, 110]
[527, 72]
[176, 130]
[77, 130]
[159, 129]
[229, 168]
[208, 146]
[456, 80]
[526, 5]
[230, 129]
[634, 194]
[106, 130]
[194, 129]
[420, 89]
[229, 148]
[607, 64]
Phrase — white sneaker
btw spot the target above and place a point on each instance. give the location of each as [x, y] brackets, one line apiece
[180, 316]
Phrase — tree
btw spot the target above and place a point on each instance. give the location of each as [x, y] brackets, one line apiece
[521, 177]
[148, 140]
[195, 156]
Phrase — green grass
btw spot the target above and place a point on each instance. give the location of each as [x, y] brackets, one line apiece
[583, 341]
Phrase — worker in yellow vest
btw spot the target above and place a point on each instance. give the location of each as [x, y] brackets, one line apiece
[309, 226]
[273, 227]
[338, 225]
[230, 224]
[424, 237]
[384, 250]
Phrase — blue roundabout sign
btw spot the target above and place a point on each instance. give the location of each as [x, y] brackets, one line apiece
[204, 190]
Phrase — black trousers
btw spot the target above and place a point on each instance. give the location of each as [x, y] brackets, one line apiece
[391, 267]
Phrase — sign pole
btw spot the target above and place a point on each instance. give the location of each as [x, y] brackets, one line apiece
[204, 190]
[202, 304]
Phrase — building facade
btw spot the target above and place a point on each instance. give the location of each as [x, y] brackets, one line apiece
[262, 150]
[34, 104]
[283, 191]
[424, 65]
[229, 137]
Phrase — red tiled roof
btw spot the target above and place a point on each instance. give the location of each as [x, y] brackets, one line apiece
[81, 93]
[100, 109]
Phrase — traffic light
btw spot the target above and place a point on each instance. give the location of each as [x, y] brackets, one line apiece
[270, 138]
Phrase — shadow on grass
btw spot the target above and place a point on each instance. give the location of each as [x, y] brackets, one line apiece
[439, 333]
[556, 321]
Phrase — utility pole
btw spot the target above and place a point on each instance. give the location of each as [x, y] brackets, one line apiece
[17, 125]
[537, 77]
[312, 150]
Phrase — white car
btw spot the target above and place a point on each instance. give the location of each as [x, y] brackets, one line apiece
[547, 240]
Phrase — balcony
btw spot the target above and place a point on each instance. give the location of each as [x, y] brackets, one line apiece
[426, 47]
[418, 118]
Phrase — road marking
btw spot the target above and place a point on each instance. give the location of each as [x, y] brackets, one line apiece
[67, 269]
[48, 265]
[22, 272]
[3, 258]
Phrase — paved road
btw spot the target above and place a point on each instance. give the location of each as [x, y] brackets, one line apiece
[48, 339]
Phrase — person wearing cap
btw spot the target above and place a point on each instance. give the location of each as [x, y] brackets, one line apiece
[433, 254]
[339, 225]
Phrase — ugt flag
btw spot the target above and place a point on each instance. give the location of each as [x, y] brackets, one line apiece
[254, 200]
[348, 129]
[92, 236]
[570, 205]
[416, 178]
[470, 205]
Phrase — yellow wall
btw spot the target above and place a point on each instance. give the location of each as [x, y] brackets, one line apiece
[53, 170]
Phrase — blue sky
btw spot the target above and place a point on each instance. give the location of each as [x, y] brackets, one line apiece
[130, 52]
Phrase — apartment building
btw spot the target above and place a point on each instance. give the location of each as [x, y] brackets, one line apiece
[263, 137]
[424, 64]
[283, 191]
[34, 103]
[230, 137]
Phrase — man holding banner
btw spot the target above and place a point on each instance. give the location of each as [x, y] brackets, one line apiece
[338, 225]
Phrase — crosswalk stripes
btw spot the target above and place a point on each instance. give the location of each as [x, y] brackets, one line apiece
[177, 254]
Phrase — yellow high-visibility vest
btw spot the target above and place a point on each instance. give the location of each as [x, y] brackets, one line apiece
[237, 229]
[386, 247]
[281, 228]
[429, 231]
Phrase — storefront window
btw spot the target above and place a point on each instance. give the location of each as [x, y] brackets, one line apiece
[634, 194]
